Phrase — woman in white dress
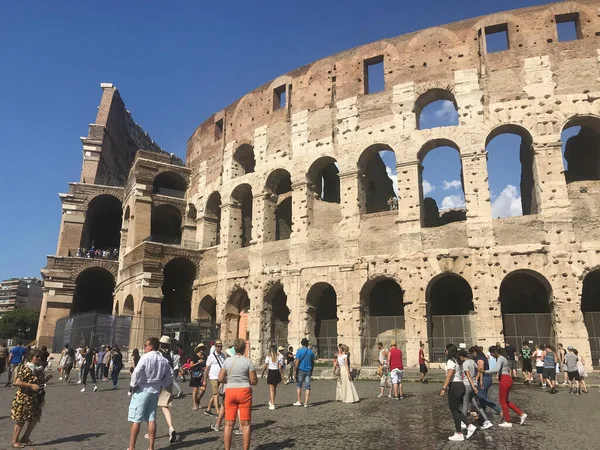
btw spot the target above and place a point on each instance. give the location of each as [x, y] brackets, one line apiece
[345, 391]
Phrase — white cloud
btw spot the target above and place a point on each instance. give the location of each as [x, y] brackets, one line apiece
[454, 184]
[453, 201]
[394, 179]
[427, 187]
[446, 111]
[508, 203]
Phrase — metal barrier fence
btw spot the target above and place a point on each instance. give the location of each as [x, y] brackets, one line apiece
[448, 329]
[383, 329]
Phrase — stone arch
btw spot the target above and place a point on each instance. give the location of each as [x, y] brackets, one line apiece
[590, 308]
[103, 221]
[171, 184]
[165, 224]
[376, 191]
[242, 116]
[431, 96]
[527, 308]
[243, 161]
[241, 216]
[128, 306]
[448, 38]
[94, 291]
[212, 220]
[450, 311]
[582, 151]
[178, 280]
[321, 303]
[237, 310]
[192, 213]
[323, 179]
[207, 309]
[587, 16]
[275, 315]
[278, 206]
[529, 201]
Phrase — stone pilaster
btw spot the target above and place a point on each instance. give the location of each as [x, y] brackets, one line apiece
[409, 208]
[480, 231]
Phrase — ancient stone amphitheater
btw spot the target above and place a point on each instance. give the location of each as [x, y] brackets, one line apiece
[283, 222]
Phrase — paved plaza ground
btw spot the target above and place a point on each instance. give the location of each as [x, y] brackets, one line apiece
[73, 420]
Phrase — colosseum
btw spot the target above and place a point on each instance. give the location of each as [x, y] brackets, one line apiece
[283, 222]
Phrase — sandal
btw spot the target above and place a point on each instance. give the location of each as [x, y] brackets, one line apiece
[17, 445]
[27, 442]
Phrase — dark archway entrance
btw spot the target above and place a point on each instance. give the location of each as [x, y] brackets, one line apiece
[525, 300]
[324, 180]
[382, 303]
[128, 306]
[241, 216]
[236, 317]
[276, 316]
[322, 318]
[590, 307]
[165, 226]
[208, 309]
[170, 184]
[94, 289]
[449, 308]
[212, 220]
[179, 275]
[102, 227]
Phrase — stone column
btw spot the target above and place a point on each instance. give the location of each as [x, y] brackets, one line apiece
[296, 305]
[415, 321]
[349, 226]
[140, 220]
[409, 208]
[302, 202]
[480, 231]
[71, 228]
[231, 217]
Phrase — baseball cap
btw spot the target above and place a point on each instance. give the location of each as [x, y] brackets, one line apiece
[281, 347]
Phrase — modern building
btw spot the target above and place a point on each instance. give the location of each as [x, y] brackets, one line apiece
[20, 293]
[284, 224]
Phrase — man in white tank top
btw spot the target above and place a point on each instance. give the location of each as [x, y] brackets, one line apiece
[382, 370]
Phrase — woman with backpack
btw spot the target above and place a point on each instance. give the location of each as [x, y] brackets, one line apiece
[196, 371]
[456, 392]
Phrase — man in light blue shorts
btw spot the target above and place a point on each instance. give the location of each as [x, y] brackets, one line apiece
[304, 366]
[152, 373]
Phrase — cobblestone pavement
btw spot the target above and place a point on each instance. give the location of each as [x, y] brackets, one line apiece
[73, 420]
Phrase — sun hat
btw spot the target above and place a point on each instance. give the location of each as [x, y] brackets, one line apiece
[165, 340]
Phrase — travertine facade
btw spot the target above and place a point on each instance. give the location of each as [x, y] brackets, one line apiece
[264, 225]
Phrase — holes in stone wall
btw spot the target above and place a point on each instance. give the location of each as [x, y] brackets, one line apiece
[374, 75]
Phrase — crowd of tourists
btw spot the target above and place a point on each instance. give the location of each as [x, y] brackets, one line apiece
[93, 252]
[157, 370]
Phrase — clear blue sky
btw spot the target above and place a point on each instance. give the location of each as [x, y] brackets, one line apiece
[175, 63]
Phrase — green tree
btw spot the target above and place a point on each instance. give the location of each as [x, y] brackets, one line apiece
[19, 323]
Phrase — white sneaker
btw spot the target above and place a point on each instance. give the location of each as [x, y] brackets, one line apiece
[523, 417]
[297, 404]
[83, 389]
[271, 406]
[389, 395]
[214, 427]
[79, 382]
[306, 405]
[95, 388]
[505, 424]
[146, 436]
[129, 393]
[380, 395]
[463, 426]
[172, 435]
[487, 424]
[470, 430]
[456, 437]
[59, 378]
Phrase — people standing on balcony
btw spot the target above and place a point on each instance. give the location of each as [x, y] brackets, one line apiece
[197, 370]
[456, 391]
[117, 366]
[483, 380]
[382, 371]
[214, 364]
[345, 390]
[274, 363]
[396, 367]
[88, 368]
[550, 361]
[303, 364]
[505, 384]
[151, 374]
[165, 399]
[422, 363]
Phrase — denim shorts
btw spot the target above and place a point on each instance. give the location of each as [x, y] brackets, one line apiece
[142, 407]
[303, 376]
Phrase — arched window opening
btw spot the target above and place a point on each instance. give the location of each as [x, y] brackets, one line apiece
[212, 220]
[102, 226]
[509, 153]
[436, 108]
[449, 308]
[170, 184]
[378, 185]
[128, 306]
[178, 278]
[275, 316]
[208, 309]
[442, 188]
[165, 225]
[525, 301]
[278, 206]
[191, 212]
[324, 180]
[116, 312]
[382, 304]
[322, 318]
[581, 149]
[590, 307]
[241, 215]
[94, 289]
[236, 316]
[243, 161]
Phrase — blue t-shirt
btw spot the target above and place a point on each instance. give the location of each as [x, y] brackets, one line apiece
[305, 355]
[18, 353]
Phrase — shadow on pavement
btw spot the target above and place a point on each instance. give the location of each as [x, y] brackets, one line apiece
[264, 424]
[75, 438]
[288, 443]
[193, 443]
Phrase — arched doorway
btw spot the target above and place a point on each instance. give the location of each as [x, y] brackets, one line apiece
[324, 180]
[170, 184]
[275, 316]
[128, 306]
[378, 181]
[525, 300]
[243, 161]
[278, 206]
[208, 309]
[449, 309]
[94, 289]
[236, 317]
[165, 225]
[382, 305]
[581, 148]
[102, 226]
[241, 216]
[590, 307]
[321, 303]
[212, 220]
[436, 108]
[179, 275]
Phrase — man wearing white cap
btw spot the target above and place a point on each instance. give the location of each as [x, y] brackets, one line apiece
[214, 364]
[165, 399]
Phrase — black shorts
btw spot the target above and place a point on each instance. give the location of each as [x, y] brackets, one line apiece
[273, 377]
[423, 368]
[526, 365]
[574, 375]
[196, 382]
[539, 369]
[549, 373]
